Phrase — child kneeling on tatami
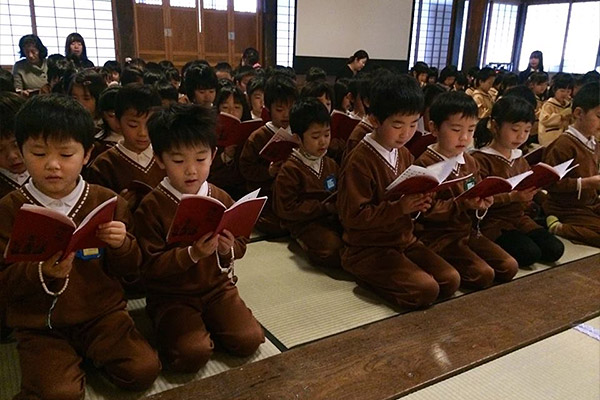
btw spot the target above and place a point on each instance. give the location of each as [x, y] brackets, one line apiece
[191, 294]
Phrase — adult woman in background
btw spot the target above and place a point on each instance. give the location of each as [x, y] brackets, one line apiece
[76, 51]
[31, 73]
[354, 64]
[536, 64]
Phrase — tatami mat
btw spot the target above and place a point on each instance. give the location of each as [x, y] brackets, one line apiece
[299, 303]
[564, 366]
[99, 388]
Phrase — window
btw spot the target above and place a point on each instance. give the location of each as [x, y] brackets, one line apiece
[463, 31]
[502, 22]
[15, 22]
[431, 32]
[286, 10]
[583, 36]
[183, 3]
[248, 6]
[219, 5]
[149, 2]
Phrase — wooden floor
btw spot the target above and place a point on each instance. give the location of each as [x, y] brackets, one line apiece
[400, 355]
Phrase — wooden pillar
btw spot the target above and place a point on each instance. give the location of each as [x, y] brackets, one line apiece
[474, 34]
[269, 19]
[124, 29]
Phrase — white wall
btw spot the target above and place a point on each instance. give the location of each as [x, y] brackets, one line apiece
[337, 28]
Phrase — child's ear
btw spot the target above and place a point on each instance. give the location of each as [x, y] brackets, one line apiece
[493, 125]
[214, 153]
[159, 161]
[433, 128]
[578, 112]
[87, 155]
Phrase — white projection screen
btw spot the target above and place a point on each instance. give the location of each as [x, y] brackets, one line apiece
[337, 28]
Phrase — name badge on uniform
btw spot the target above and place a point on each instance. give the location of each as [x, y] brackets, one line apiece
[469, 183]
[89, 254]
[330, 183]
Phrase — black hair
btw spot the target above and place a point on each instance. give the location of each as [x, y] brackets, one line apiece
[112, 66]
[587, 97]
[75, 37]
[317, 89]
[132, 74]
[395, 94]
[136, 62]
[166, 90]
[473, 72]
[307, 111]
[524, 92]
[166, 64]
[540, 56]
[461, 79]
[106, 103]
[420, 67]
[199, 76]
[562, 80]
[151, 76]
[316, 74]
[136, 96]
[251, 56]
[509, 79]
[63, 70]
[433, 72]
[152, 66]
[182, 125]
[359, 55]
[591, 76]
[224, 66]
[256, 83]
[537, 77]
[36, 41]
[54, 117]
[238, 97]
[511, 109]
[449, 71]
[10, 103]
[7, 81]
[430, 92]
[172, 74]
[340, 90]
[91, 81]
[242, 72]
[279, 88]
[451, 103]
[484, 74]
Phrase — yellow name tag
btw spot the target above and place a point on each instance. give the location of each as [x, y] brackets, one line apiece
[91, 252]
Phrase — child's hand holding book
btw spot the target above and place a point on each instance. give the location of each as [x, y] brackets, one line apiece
[412, 203]
[591, 182]
[205, 246]
[58, 270]
[225, 242]
[478, 203]
[112, 233]
[524, 196]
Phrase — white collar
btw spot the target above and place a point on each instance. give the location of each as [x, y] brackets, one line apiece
[514, 153]
[64, 204]
[20, 179]
[254, 116]
[312, 162]
[274, 129]
[390, 156]
[460, 159]
[166, 182]
[143, 159]
[590, 143]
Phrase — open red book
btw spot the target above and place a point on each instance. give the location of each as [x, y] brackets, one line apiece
[493, 185]
[543, 175]
[419, 142]
[232, 131]
[280, 146]
[39, 232]
[535, 156]
[342, 125]
[265, 115]
[198, 215]
[416, 179]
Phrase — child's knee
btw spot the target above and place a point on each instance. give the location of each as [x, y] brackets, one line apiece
[245, 343]
[506, 270]
[190, 355]
[137, 373]
[425, 292]
[448, 283]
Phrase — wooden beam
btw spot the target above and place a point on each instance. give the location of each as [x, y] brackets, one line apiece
[124, 22]
[474, 34]
[402, 354]
[269, 33]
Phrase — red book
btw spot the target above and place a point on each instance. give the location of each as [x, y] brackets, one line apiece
[198, 215]
[416, 179]
[535, 155]
[419, 142]
[54, 232]
[342, 125]
[544, 175]
[280, 146]
[231, 131]
[265, 115]
[493, 185]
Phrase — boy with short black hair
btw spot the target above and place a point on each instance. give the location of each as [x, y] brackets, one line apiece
[13, 173]
[255, 91]
[280, 95]
[223, 70]
[200, 83]
[446, 228]
[132, 158]
[191, 294]
[321, 90]
[64, 310]
[381, 250]
[305, 180]
[573, 206]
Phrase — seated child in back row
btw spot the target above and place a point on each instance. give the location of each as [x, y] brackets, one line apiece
[574, 199]
[191, 294]
[556, 113]
[305, 180]
[13, 173]
[447, 228]
[65, 310]
[280, 95]
[381, 250]
[498, 139]
[132, 159]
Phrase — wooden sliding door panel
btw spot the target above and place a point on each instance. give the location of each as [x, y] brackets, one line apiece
[150, 29]
[184, 30]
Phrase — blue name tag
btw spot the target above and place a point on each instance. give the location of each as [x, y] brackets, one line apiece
[331, 183]
[89, 254]
[469, 183]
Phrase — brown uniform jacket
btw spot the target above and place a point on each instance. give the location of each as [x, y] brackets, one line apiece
[368, 218]
[298, 193]
[94, 288]
[503, 214]
[7, 185]
[358, 133]
[447, 220]
[114, 170]
[168, 269]
[253, 167]
[484, 101]
[554, 119]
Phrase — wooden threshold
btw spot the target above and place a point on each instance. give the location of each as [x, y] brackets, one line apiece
[400, 355]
